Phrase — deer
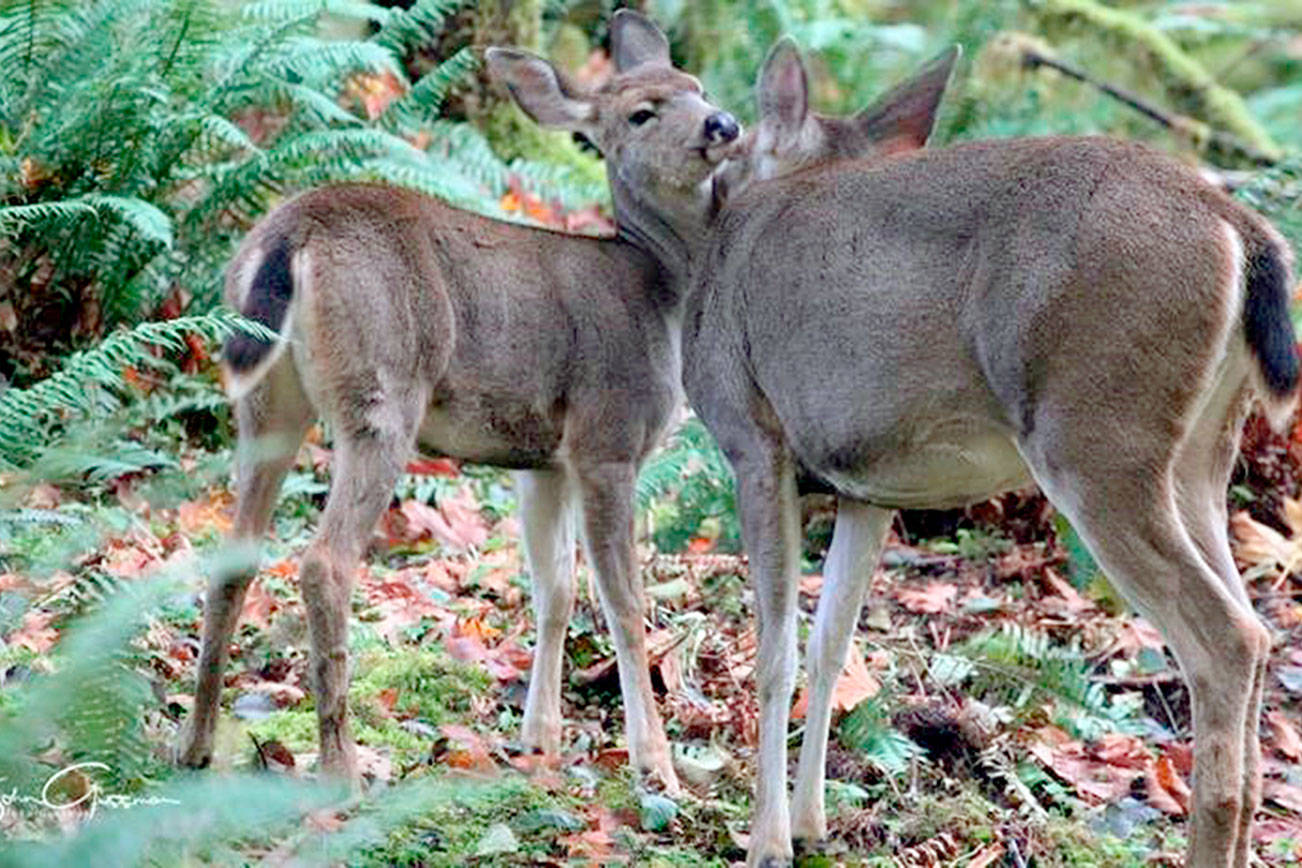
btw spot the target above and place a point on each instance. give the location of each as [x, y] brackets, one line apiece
[928, 327]
[403, 322]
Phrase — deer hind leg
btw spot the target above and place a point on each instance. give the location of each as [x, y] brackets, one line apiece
[548, 530]
[367, 462]
[1129, 519]
[271, 421]
[856, 547]
[606, 496]
[1202, 474]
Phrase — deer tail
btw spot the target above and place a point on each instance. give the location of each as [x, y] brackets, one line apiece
[1268, 327]
[260, 285]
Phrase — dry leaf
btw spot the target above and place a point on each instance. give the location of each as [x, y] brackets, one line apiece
[935, 597]
[1285, 795]
[853, 686]
[1284, 736]
[1264, 549]
[1165, 789]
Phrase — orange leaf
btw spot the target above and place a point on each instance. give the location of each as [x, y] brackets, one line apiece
[855, 683]
[422, 466]
[35, 634]
[935, 597]
[1284, 735]
[1165, 789]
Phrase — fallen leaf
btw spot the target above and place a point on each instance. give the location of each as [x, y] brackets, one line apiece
[1262, 548]
[853, 686]
[372, 764]
[986, 856]
[466, 749]
[456, 522]
[375, 91]
[934, 598]
[1285, 795]
[422, 466]
[35, 634]
[1165, 789]
[259, 605]
[274, 756]
[1284, 736]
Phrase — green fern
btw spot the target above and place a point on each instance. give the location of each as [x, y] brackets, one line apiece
[1025, 666]
[685, 483]
[92, 382]
[868, 730]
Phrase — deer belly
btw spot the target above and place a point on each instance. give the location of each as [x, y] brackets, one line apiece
[938, 472]
[506, 436]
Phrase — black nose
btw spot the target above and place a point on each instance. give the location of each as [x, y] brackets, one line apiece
[721, 127]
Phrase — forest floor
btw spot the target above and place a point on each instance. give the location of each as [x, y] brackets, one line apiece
[1000, 705]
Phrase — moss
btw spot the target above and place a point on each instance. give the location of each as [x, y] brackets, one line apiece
[450, 832]
[514, 135]
[431, 687]
[1191, 89]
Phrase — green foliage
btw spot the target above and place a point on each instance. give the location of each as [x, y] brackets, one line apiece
[140, 138]
[857, 52]
[92, 707]
[188, 821]
[686, 488]
[1022, 666]
[1277, 193]
[91, 384]
[868, 730]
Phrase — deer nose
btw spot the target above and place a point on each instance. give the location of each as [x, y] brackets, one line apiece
[721, 127]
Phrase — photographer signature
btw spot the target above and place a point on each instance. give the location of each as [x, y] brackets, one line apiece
[91, 800]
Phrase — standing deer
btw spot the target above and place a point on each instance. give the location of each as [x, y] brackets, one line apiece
[927, 328]
[402, 321]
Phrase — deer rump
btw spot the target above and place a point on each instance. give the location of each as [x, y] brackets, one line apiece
[366, 287]
[919, 318]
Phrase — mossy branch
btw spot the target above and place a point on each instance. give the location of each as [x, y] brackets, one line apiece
[1189, 87]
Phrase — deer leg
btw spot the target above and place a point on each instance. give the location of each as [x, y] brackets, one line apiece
[548, 530]
[606, 495]
[271, 421]
[856, 546]
[366, 466]
[770, 516]
[1202, 475]
[1131, 523]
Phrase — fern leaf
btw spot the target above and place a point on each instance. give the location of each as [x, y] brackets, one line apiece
[418, 25]
[425, 99]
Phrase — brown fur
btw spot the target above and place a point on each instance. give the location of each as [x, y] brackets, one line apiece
[929, 328]
[413, 323]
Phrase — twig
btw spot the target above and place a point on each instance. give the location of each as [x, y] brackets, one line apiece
[1193, 130]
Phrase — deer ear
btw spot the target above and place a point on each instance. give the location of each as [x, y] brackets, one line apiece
[539, 89]
[902, 119]
[635, 40]
[783, 92]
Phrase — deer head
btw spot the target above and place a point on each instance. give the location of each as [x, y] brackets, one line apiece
[660, 136]
[789, 137]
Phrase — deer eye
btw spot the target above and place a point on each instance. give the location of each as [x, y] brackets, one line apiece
[640, 117]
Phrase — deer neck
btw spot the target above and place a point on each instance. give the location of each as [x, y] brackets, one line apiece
[671, 232]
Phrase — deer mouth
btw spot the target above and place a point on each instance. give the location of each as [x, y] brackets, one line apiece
[714, 153]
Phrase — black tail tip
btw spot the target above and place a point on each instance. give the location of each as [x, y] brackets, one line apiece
[1267, 322]
[267, 303]
[242, 351]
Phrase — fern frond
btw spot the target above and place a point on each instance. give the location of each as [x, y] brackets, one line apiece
[323, 63]
[418, 25]
[288, 10]
[424, 101]
[90, 380]
[146, 220]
